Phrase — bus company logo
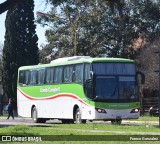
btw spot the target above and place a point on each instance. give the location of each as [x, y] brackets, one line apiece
[118, 105]
[45, 90]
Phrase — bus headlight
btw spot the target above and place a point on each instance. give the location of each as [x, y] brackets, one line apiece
[136, 110]
[100, 110]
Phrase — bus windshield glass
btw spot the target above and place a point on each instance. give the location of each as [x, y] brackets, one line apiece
[115, 81]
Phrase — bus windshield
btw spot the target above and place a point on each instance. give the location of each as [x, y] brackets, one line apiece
[115, 81]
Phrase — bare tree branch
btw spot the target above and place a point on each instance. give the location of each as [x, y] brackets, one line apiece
[7, 5]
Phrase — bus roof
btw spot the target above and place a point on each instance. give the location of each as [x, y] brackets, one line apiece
[77, 59]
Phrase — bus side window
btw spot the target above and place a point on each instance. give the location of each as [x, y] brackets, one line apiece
[51, 75]
[33, 77]
[88, 83]
[57, 74]
[41, 76]
[78, 75]
[26, 77]
[87, 69]
[21, 78]
[47, 75]
[68, 72]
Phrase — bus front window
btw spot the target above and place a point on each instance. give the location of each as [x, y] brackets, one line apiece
[127, 88]
[115, 82]
[116, 88]
[106, 87]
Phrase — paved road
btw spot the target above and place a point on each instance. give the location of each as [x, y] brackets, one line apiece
[28, 121]
[22, 121]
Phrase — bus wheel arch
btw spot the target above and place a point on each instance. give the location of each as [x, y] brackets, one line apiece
[32, 110]
[34, 114]
[77, 115]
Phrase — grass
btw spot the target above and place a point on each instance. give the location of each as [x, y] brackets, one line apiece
[90, 142]
[84, 130]
[127, 128]
[148, 118]
[93, 129]
[76, 129]
[70, 128]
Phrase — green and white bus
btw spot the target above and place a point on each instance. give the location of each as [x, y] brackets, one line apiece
[79, 88]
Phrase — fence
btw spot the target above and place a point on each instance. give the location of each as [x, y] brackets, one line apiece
[149, 105]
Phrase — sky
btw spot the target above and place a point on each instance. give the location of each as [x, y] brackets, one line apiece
[39, 6]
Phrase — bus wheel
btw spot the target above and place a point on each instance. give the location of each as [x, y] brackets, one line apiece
[116, 121]
[34, 115]
[77, 117]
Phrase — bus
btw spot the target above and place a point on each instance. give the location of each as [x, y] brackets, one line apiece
[79, 88]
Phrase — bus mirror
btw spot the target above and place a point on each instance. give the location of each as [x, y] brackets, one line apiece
[142, 75]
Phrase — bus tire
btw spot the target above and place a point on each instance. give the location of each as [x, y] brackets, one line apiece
[77, 117]
[34, 115]
[116, 121]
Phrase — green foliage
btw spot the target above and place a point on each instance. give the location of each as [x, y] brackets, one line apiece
[99, 28]
[20, 46]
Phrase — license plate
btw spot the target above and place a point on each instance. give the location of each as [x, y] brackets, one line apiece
[118, 117]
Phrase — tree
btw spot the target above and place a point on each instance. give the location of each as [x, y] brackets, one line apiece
[75, 28]
[6, 5]
[20, 45]
[99, 28]
[148, 62]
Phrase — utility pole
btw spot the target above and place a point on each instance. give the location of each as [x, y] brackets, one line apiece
[157, 52]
